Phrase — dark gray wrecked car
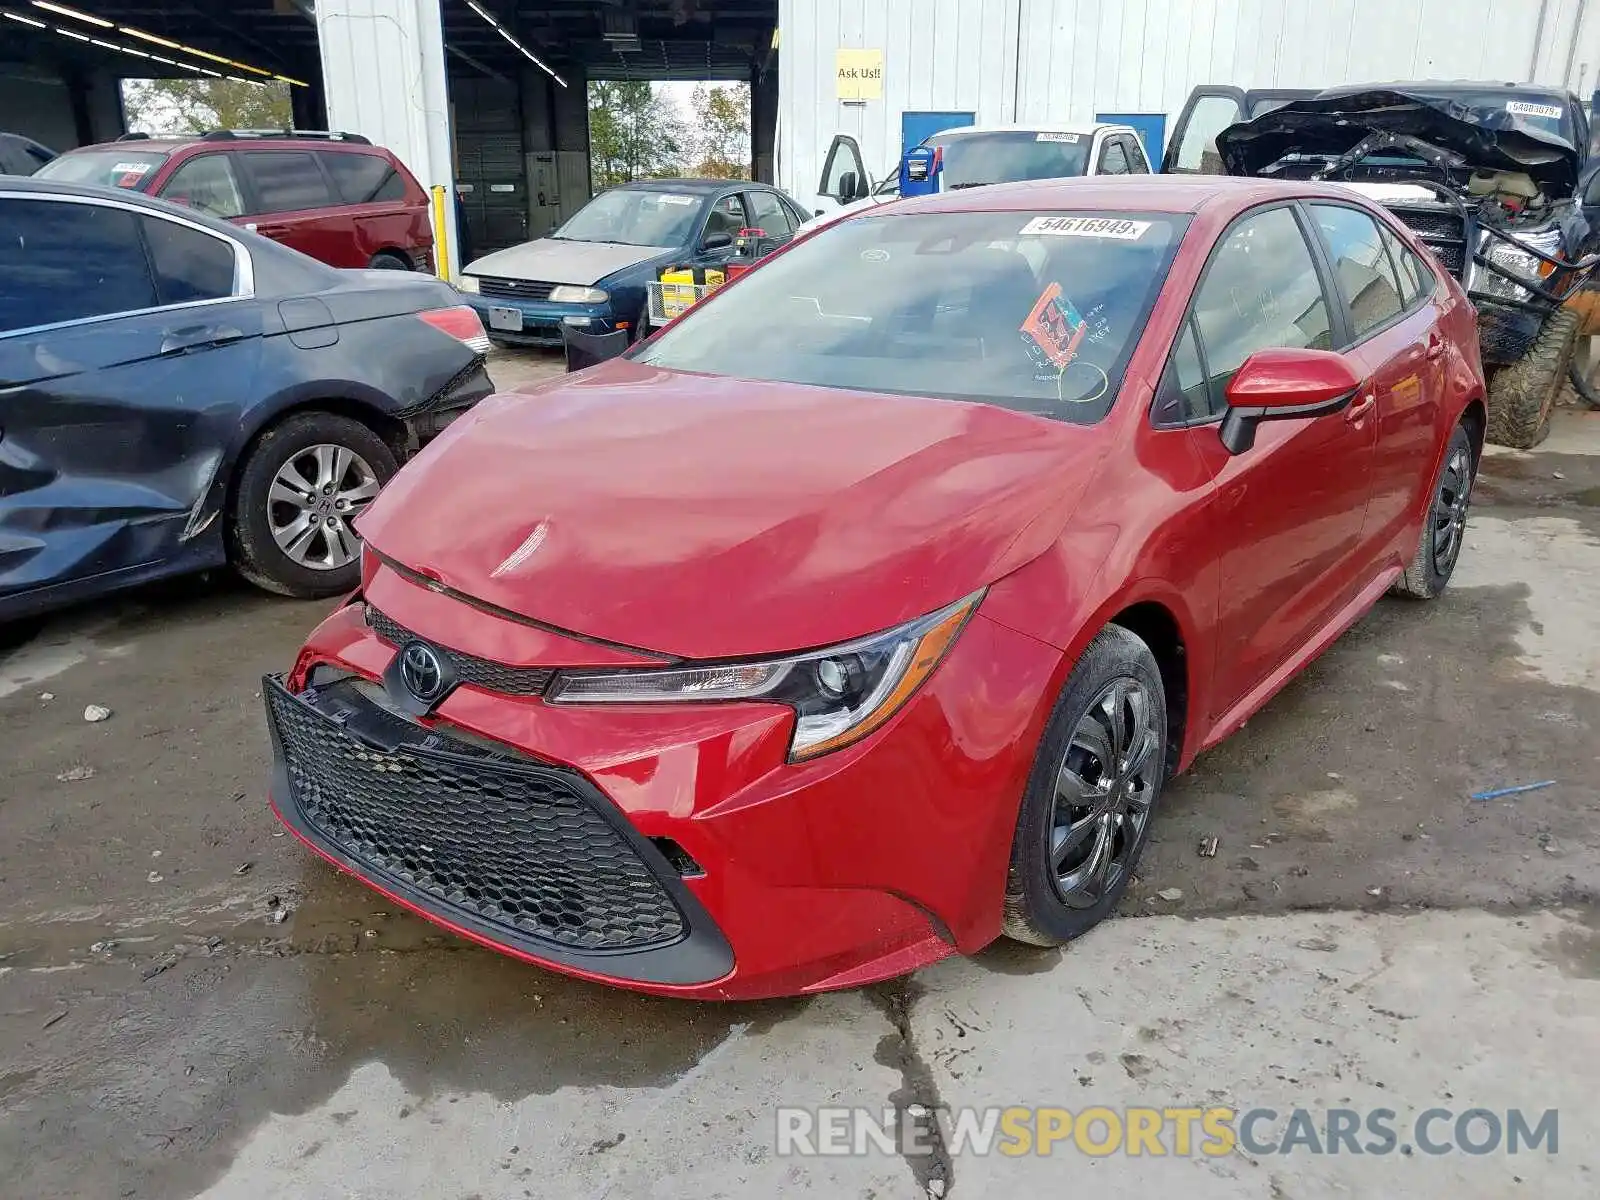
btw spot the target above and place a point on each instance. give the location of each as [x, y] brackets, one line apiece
[1488, 182]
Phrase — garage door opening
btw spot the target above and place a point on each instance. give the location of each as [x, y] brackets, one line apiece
[639, 129]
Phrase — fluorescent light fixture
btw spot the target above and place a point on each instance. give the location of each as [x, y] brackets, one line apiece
[22, 20]
[77, 37]
[505, 33]
[210, 72]
[62, 10]
[168, 61]
[148, 37]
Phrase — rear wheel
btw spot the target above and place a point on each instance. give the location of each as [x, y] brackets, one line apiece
[1439, 549]
[1522, 395]
[302, 486]
[388, 260]
[1087, 810]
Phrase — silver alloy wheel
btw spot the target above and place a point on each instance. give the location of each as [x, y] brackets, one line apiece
[1450, 510]
[313, 498]
[1104, 788]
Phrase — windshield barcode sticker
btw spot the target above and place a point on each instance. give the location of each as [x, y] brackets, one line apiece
[130, 168]
[1056, 137]
[1100, 227]
[1526, 108]
[677, 199]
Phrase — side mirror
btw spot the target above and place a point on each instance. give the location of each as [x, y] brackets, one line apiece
[1285, 385]
[847, 187]
[716, 241]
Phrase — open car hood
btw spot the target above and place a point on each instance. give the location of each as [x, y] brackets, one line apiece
[1491, 139]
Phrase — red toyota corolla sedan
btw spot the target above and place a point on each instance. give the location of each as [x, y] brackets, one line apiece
[859, 616]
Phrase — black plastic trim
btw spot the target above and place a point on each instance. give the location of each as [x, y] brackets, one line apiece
[702, 956]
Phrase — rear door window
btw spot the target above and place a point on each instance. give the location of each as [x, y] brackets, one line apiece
[769, 215]
[285, 180]
[1415, 279]
[206, 183]
[364, 178]
[1367, 278]
[62, 261]
[189, 265]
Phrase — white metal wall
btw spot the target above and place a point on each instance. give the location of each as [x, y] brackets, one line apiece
[1080, 57]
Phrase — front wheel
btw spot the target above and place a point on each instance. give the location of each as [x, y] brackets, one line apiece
[1086, 814]
[300, 489]
[1522, 395]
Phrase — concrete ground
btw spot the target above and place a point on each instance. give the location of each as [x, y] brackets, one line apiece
[1366, 937]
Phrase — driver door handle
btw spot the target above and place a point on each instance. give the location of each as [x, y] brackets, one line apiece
[1366, 400]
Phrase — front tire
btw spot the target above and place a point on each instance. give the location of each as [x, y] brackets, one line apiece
[386, 260]
[301, 487]
[1090, 799]
[1522, 395]
[1445, 528]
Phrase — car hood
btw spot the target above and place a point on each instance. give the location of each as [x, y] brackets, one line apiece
[1492, 139]
[552, 260]
[708, 517]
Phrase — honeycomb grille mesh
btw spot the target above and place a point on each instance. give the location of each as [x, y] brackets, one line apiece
[514, 846]
[478, 672]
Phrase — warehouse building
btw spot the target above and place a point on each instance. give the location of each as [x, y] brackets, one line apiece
[488, 97]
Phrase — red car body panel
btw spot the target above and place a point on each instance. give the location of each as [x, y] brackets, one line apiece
[341, 235]
[690, 516]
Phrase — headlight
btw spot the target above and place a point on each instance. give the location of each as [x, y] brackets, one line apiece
[469, 283]
[566, 293]
[840, 694]
[1514, 258]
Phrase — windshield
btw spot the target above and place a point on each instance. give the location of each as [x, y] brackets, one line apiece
[634, 217]
[974, 159]
[123, 168]
[1543, 111]
[1033, 311]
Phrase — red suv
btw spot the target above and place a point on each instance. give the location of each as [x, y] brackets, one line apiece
[334, 196]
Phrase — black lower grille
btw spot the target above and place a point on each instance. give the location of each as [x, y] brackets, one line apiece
[520, 847]
[515, 289]
[478, 672]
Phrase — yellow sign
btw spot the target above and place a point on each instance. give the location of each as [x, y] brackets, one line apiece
[859, 74]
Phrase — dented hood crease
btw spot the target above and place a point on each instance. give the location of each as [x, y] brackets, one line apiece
[705, 517]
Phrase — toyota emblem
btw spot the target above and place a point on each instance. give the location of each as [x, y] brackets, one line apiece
[421, 671]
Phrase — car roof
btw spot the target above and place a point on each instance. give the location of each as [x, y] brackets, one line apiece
[1445, 87]
[1085, 127]
[1123, 193]
[169, 145]
[695, 185]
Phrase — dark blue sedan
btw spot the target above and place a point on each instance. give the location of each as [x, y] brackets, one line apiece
[177, 393]
[590, 274]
